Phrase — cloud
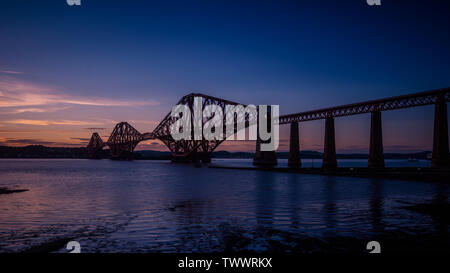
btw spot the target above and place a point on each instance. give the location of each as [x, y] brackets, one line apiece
[153, 145]
[17, 93]
[80, 138]
[26, 141]
[49, 122]
[15, 131]
[95, 128]
[150, 122]
[10, 72]
[47, 109]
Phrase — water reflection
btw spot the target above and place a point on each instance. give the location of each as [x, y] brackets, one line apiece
[158, 206]
[376, 204]
[440, 193]
[189, 219]
[295, 202]
[330, 205]
[440, 217]
[265, 197]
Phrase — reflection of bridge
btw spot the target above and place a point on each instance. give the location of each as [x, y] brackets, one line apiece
[124, 137]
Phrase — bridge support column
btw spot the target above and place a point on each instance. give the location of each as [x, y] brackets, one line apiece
[329, 151]
[376, 156]
[122, 153]
[294, 160]
[440, 158]
[205, 157]
[265, 159]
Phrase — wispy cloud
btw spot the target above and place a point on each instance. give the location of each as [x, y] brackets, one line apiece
[47, 109]
[150, 122]
[7, 71]
[80, 138]
[17, 93]
[95, 128]
[20, 142]
[151, 145]
[49, 122]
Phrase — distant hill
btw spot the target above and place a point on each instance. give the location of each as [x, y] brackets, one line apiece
[149, 155]
[225, 154]
[39, 151]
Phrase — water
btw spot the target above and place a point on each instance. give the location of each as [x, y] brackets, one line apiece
[317, 163]
[157, 206]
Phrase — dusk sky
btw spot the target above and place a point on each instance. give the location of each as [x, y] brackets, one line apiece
[67, 71]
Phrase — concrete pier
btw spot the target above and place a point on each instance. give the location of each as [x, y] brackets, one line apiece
[329, 149]
[264, 159]
[376, 156]
[440, 158]
[294, 147]
[205, 157]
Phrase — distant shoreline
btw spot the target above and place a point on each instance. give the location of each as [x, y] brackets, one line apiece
[39, 151]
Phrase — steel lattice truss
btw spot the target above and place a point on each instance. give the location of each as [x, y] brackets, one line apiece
[122, 141]
[399, 102]
[95, 145]
[125, 138]
[184, 148]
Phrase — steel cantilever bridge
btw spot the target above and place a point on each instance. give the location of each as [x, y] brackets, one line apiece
[124, 137]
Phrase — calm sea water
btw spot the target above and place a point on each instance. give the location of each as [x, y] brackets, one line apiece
[157, 206]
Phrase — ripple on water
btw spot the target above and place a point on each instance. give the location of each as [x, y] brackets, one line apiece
[147, 206]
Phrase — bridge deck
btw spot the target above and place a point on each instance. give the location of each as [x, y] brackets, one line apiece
[391, 103]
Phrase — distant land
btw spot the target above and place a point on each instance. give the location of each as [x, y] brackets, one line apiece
[39, 151]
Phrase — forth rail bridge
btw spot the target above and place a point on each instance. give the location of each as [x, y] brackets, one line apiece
[124, 137]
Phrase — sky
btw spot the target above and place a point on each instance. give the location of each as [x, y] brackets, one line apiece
[68, 71]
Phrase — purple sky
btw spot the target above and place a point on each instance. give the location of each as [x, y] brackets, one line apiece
[66, 72]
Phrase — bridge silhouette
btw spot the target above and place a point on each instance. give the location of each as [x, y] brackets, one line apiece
[124, 138]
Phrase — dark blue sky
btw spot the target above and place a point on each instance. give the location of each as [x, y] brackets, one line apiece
[298, 54]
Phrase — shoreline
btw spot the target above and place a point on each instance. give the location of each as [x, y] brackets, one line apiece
[422, 174]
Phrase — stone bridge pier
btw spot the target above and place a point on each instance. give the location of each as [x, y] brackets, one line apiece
[440, 157]
[264, 159]
[294, 147]
[376, 156]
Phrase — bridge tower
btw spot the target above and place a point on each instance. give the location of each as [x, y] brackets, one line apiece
[197, 149]
[294, 160]
[329, 150]
[376, 156]
[123, 140]
[265, 159]
[95, 146]
[203, 153]
[440, 158]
